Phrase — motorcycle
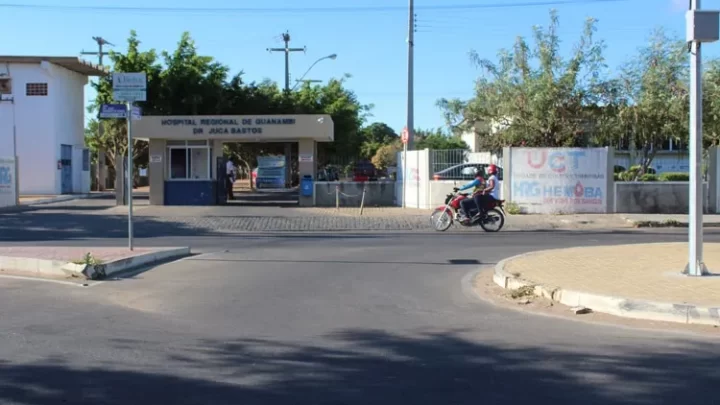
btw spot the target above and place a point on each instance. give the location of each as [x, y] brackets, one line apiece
[446, 215]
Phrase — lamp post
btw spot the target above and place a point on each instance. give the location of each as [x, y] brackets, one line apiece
[701, 27]
[300, 80]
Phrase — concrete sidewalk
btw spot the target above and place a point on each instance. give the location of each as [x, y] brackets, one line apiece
[635, 281]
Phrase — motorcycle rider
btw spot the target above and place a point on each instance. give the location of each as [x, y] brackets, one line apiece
[468, 204]
[481, 194]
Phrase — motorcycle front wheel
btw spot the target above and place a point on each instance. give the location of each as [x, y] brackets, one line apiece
[493, 222]
[441, 219]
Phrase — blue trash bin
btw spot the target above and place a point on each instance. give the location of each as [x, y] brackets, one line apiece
[306, 186]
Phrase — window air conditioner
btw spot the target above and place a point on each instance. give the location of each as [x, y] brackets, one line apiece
[5, 85]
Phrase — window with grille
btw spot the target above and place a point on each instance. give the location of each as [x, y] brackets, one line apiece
[36, 89]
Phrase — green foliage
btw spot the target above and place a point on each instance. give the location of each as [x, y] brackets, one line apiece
[89, 260]
[386, 156]
[374, 137]
[648, 177]
[636, 173]
[674, 177]
[513, 208]
[532, 96]
[183, 82]
[438, 140]
[653, 96]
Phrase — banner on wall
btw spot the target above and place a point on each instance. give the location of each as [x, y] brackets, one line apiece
[271, 172]
[559, 180]
[8, 194]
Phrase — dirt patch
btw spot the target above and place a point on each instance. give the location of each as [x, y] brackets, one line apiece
[488, 291]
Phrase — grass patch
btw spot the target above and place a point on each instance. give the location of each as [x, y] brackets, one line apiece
[89, 260]
[526, 291]
[669, 223]
[513, 208]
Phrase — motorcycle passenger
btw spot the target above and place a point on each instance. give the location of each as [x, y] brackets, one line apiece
[490, 192]
[469, 204]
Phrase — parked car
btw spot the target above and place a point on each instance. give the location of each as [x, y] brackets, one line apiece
[465, 171]
[364, 171]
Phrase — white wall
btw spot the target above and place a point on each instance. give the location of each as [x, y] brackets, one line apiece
[34, 123]
[69, 98]
[417, 192]
[42, 124]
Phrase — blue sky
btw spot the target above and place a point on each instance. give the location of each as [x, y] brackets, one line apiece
[371, 46]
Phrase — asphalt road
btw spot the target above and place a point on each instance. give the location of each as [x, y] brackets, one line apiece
[352, 318]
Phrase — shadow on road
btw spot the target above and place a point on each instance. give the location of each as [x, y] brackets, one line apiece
[449, 262]
[374, 367]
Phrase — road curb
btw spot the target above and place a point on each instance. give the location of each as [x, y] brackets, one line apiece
[70, 197]
[55, 268]
[618, 306]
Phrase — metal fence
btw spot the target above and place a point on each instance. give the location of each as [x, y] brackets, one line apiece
[444, 159]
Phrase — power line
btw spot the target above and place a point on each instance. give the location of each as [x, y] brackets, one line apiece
[301, 10]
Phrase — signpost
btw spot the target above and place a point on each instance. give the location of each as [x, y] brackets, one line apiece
[130, 87]
[404, 136]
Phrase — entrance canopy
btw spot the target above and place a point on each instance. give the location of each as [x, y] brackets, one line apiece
[248, 128]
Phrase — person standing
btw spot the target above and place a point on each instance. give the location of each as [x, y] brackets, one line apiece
[230, 179]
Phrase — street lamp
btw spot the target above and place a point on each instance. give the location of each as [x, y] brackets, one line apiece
[300, 80]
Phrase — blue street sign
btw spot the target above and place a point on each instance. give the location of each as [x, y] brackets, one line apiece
[119, 111]
[113, 111]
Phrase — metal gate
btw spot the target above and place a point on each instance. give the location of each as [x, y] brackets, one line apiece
[221, 185]
[66, 186]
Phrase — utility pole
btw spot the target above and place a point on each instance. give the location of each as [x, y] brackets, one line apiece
[410, 122]
[100, 175]
[100, 53]
[287, 50]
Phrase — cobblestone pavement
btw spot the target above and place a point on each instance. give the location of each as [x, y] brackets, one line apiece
[646, 272]
[101, 217]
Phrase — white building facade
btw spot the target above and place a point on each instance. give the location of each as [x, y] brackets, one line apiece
[42, 120]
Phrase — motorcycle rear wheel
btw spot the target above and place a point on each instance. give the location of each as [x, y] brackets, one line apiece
[493, 218]
[441, 219]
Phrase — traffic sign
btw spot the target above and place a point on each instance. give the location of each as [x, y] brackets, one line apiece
[129, 95]
[129, 81]
[405, 135]
[119, 111]
[113, 111]
[130, 86]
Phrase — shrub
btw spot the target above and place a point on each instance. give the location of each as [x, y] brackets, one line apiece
[513, 208]
[674, 177]
[618, 169]
[648, 177]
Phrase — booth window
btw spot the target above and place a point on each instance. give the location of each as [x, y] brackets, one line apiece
[189, 160]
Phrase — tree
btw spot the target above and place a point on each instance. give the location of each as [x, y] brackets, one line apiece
[654, 100]
[711, 104]
[533, 96]
[114, 139]
[386, 156]
[436, 139]
[375, 136]
[347, 112]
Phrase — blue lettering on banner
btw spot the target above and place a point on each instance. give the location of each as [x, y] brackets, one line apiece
[536, 190]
